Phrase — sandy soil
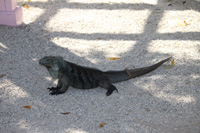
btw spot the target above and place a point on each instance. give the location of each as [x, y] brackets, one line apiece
[139, 32]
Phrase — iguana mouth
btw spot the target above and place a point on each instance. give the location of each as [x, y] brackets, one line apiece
[48, 66]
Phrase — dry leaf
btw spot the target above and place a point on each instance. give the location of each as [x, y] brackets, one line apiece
[187, 82]
[25, 5]
[114, 58]
[2, 75]
[185, 23]
[28, 107]
[66, 113]
[102, 124]
[147, 109]
[99, 38]
[180, 24]
[170, 66]
[172, 63]
[167, 66]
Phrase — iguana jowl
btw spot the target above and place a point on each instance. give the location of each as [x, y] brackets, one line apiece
[70, 74]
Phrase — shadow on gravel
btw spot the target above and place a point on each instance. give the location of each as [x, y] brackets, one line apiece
[33, 37]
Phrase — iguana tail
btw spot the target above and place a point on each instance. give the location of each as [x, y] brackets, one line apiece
[118, 76]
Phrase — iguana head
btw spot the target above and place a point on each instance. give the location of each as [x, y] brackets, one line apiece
[51, 62]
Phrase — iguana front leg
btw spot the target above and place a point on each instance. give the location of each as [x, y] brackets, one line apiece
[103, 82]
[59, 85]
[64, 82]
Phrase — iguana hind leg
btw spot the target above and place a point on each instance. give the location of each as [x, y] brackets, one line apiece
[104, 83]
[110, 90]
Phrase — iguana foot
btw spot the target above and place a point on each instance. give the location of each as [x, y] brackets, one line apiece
[53, 88]
[111, 89]
[56, 92]
[107, 85]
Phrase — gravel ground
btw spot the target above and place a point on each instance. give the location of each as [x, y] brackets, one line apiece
[139, 32]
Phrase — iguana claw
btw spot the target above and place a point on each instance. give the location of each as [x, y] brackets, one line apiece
[53, 88]
[55, 92]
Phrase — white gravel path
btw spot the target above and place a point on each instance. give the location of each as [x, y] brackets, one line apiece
[140, 32]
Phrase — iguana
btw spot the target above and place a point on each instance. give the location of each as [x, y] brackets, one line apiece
[70, 74]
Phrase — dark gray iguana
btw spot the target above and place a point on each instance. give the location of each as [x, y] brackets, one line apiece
[70, 74]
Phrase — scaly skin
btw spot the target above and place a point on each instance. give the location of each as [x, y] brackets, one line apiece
[69, 74]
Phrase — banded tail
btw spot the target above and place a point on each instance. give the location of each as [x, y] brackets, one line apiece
[118, 76]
